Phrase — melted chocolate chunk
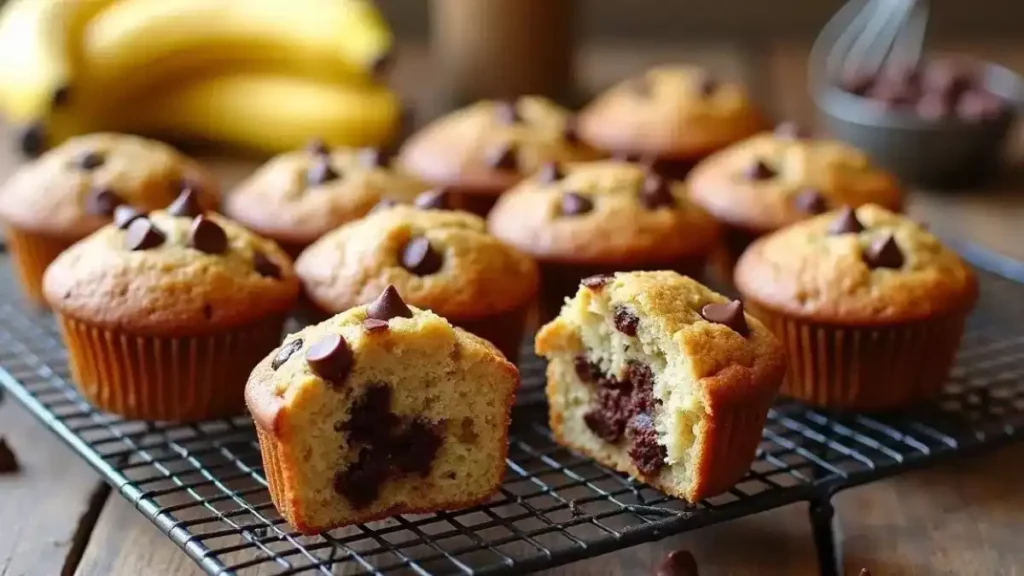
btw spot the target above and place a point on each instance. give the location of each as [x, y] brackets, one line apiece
[608, 420]
[656, 193]
[574, 204]
[285, 353]
[810, 201]
[503, 157]
[626, 321]
[644, 449]
[729, 314]
[371, 420]
[142, 234]
[388, 305]
[678, 563]
[207, 236]
[438, 199]
[597, 281]
[321, 172]
[265, 266]
[360, 483]
[8, 461]
[550, 173]
[330, 358]
[642, 379]
[588, 371]
[884, 253]
[506, 113]
[374, 325]
[89, 160]
[124, 215]
[413, 450]
[846, 223]
[420, 258]
[186, 205]
[102, 201]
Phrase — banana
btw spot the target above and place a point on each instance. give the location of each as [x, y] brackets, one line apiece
[136, 40]
[266, 113]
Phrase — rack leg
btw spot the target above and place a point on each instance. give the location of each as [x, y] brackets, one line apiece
[822, 518]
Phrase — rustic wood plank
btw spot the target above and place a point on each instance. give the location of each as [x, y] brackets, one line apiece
[48, 507]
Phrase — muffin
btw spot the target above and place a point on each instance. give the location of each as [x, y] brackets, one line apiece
[671, 116]
[654, 375]
[73, 190]
[381, 410]
[165, 315]
[870, 307]
[482, 150]
[601, 217]
[297, 197]
[439, 260]
[777, 178]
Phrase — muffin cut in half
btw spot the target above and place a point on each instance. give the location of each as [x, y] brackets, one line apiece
[381, 410]
[655, 375]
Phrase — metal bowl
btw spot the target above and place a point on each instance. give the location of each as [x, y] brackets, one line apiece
[946, 153]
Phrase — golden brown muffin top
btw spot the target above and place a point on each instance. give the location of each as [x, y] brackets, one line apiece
[351, 346]
[71, 190]
[607, 211]
[675, 112]
[669, 311]
[171, 275]
[778, 178]
[824, 270]
[299, 196]
[489, 146]
[437, 259]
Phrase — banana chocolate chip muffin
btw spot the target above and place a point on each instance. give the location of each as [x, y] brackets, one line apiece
[482, 150]
[381, 410]
[299, 196]
[74, 189]
[444, 261]
[165, 315]
[598, 218]
[671, 116]
[777, 178]
[654, 375]
[870, 306]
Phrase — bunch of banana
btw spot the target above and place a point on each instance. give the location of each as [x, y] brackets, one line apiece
[260, 74]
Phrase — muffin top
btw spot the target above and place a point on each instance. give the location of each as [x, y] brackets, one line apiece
[72, 190]
[180, 273]
[865, 266]
[670, 112]
[488, 147]
[348, 351]
[777, 178]
[299, 196]
[437, 259]
[603, 212]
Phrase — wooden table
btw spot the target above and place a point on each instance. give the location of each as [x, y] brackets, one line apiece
[58, 517]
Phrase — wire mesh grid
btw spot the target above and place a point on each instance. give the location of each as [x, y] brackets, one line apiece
[203, 483]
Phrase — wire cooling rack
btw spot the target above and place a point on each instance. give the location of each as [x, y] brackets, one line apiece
[203, 484]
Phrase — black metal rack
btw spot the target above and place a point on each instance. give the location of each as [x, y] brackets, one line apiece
[203, 486]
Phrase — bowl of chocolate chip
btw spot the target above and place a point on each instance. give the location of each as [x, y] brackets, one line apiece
[943, 123]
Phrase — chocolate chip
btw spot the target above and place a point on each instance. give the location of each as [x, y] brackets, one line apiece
[758, 170]
[550, 173]
[729, 314]
[645, 451]
[360, 483]
[330, 358]
[707, 85]
[32, 139]
[586, 370]
[574, 204]
[317, 147]
[505, 112]
[388, 305]
[678, 563]
[321, 172]
[142, 234]
[381, 65]
[626, 321]
[265, 266]
[790, 130]
[60, 97]
[370, 420]
[846, 223]
[608, 420]
[207, 236]
[285, 353]
[102, 201]
[419, 257]
[89, 160]
[656, 192]
[437, 199]
[382, 205]
[597, 281]
[884, 253]
[503, 157]
[373, 158]
[125, 215]
[186, 205]
[810, 201]
[8, 461]
[374, 325]
[571, 130]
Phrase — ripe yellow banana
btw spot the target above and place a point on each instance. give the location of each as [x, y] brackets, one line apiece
[267, 113]
[135, 40]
